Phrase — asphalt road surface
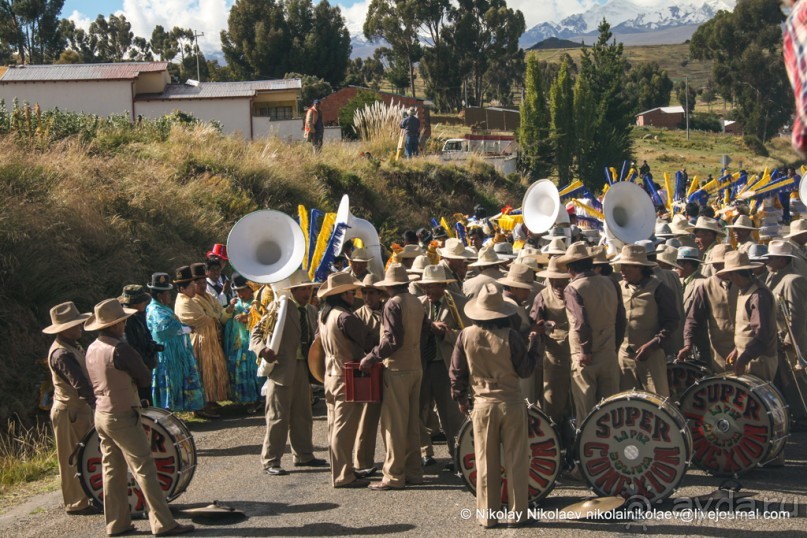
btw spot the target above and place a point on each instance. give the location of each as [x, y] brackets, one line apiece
[304, 504]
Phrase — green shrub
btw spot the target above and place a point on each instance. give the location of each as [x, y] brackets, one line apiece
[363, 98]
[755, 145]
[705, 122]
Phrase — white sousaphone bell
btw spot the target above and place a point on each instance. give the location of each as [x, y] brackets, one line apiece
[267, 247]
[629, 213]
[542, 209]
[803, 191]
[362, 229]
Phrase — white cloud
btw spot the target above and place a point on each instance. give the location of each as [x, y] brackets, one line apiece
[206, 16]
[80, 20]
[355, 15]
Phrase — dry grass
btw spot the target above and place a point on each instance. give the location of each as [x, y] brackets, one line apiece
[26, 455]
[379, 124]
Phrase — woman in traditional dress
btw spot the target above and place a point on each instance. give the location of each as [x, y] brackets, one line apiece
[176, 384]
[245, 385]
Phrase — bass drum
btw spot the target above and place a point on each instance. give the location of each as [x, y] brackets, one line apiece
[544, 453]
[174, 455]
[634, 443]
[737, 423]
[682, 375]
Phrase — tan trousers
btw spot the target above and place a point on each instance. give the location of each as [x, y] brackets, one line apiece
[288, 416]
[124, 443]
[763, 367]
[343, 425]
[500, 436]
[436, 387]
[557, 386]
[70, 425]
[400, 426]
[592, 383]
[649, 375]
[366, 438]
[532, 387]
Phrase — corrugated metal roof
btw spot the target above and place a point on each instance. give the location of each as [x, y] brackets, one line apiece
[219, 90]
[665, 110]
[65, 72]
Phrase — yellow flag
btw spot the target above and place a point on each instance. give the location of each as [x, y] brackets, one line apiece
[303, 214]
[322, 242]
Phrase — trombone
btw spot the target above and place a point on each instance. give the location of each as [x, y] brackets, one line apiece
[452, 307]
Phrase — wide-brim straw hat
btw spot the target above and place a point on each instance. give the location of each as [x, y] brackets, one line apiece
[456, 250]
[107, 313]
[487, 257]
[555, 270]
[338, 283]
[299, 279]
[777, 247]
[797, 227]
[718, 253]
[64, 316]
[575, 253]
[370, 281]
[689, 253]
[556, 247]
[663, 229]
[600, 255]
[679, 225]
[668, 255]
[420, 263]
[708, 224]
[737, 261]
[519, 276]
[409, 251]
[634, 255]
[743, 222]
[504, 250]
[360, 255]
[435, 274]
[395, 276]
[489, 304]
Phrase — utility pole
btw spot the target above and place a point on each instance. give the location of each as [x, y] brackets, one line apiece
[196, 36]
[686, 100]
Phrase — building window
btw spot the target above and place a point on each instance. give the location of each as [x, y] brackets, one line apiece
[274, 113]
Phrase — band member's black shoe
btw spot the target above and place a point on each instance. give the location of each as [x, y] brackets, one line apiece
[314, 462]
[276, 471]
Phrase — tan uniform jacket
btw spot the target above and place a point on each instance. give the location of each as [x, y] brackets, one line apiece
[290, 344]
[445, 343]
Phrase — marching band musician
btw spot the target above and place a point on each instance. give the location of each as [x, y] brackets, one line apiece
[666, 258]
[489, 265]
[288, 392]
[370, 315]
[755, 320]
[489, 358]
[706, 231]
[116, 371]
[797, 238]
[652, 316]
[73, 399]
[403, 320]
[741, 232]
[688, 269]
[344, 339]
[436, 347]
[549, 307]
[596, 329]
[455, 259]
[714, 304]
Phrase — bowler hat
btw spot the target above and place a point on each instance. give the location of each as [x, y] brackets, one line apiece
[160, 282]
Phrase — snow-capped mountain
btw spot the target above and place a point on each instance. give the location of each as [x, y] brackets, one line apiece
[629, 17]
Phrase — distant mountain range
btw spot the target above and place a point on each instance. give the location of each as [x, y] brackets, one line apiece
[659, 23]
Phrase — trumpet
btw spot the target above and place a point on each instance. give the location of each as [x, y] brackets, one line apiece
[452, 307]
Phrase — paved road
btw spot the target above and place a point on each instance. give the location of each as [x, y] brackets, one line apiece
[303, 504]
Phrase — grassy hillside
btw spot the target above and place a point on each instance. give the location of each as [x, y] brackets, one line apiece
[80, 218]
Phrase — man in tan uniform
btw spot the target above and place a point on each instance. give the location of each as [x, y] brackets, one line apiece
[707, 231]
[596, 329]
[667, 259]
[73, 400]
[688, 270]
[798, 239]
[116, 370]
[652, 316]
[714, 304]
[489, 359]
[741, 232]
[288, 392]
[436, 347]
[490, 268]
[399, 349]
[370, 315]
[455, 258]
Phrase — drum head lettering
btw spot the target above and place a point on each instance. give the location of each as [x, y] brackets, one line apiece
[634, 443]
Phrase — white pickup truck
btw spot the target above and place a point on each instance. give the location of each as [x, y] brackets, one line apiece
[500, 151]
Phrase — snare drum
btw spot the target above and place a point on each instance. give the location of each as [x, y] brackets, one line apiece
[737, 423]
[682, 375]
[634, 443]
[544, 456]
[174, 455]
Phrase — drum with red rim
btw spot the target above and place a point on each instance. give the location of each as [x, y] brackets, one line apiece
[544, 453]
[634, 443]
[737, 423]
[682, 375]
[174, 455]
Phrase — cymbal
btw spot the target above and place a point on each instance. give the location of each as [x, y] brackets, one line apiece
[603, 504]
[316, 360]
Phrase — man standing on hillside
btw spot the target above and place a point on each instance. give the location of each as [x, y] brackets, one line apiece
[314, 128]
[411, 124]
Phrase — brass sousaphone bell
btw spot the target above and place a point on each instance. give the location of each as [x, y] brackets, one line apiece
[542, 209]
[629, 212]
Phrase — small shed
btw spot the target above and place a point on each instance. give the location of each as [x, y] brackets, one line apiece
[670, 117]
[492, 118]
[732, 127]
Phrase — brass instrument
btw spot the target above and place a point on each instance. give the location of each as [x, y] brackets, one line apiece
[452, 307]
[800, 361]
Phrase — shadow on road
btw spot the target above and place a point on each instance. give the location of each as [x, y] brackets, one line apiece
[314, 529]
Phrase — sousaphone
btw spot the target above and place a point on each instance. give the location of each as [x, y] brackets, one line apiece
[629, 212]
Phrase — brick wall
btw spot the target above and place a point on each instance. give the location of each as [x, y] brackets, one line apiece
[657, 118]
[331, 105]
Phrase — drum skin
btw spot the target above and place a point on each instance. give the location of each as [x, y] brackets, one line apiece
[174, 455]
[544, 450]
[682, 375]
[634, 443]
[737, 423]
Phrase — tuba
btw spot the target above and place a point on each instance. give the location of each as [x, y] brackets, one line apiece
[542, 209]
[267, 247]
[629, 213]
[362, 229]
